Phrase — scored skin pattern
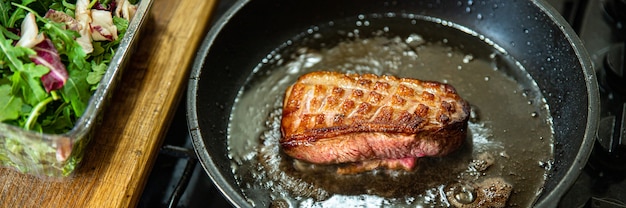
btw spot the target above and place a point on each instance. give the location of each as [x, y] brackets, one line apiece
[330, 117]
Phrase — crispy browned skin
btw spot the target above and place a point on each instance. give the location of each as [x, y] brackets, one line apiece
[330, 117]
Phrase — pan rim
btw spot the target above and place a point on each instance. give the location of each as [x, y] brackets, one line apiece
[206, 161]
[551, 199]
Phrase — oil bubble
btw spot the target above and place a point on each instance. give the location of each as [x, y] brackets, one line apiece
[414, 40]
[467, 58]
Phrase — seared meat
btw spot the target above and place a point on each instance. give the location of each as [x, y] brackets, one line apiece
[331, 118]
[393, 164]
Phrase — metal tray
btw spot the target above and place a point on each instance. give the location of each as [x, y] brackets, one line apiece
[58, 155]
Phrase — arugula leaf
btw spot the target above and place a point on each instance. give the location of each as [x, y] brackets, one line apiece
[122, 26]
[10, 105]
[77, 91]
[25, 77]
[8, 33]
[34, 114]
[39, 6]
[61, 119]
[5, 7]
[27, 80]
[98, 70]
[17, 15]
[104, 2]
[64, 41]
[11, 54]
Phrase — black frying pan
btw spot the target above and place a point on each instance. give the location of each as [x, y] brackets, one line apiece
[529, 31]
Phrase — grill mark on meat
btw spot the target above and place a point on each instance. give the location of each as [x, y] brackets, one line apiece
[384, 115]
[364, 109]
[338, 91]
[422, 110]
[404, 91]
[381, 86]
[357, 93]
[331, 118]
[397, 101]
[375, 98]
[347, 107]
[427, 96]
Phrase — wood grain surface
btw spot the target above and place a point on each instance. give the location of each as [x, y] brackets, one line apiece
[119, 158]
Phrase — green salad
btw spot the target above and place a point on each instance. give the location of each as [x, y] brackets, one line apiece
[49, 65]
[53, 55]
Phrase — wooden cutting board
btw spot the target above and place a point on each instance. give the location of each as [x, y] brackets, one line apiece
[119, 158]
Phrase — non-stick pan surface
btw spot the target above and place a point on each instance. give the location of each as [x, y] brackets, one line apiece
[529, 31]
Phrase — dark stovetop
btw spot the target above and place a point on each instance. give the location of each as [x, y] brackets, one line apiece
[178, 181]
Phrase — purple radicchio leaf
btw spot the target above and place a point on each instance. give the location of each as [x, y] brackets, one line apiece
[108, 7]
[102, 27]
[48, 56]
[62, 17]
